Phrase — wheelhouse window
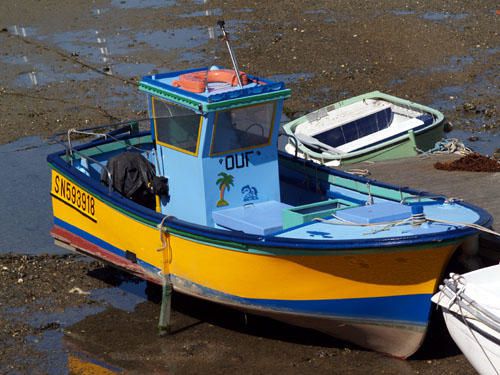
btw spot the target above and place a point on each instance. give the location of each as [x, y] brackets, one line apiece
[176, 127]
[243, 128]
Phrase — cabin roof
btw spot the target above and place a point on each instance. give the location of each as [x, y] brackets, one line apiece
[256, 91]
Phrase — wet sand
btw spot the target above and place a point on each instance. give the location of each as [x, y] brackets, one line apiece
[76, 64]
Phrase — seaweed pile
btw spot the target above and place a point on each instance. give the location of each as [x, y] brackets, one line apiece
[472, 162]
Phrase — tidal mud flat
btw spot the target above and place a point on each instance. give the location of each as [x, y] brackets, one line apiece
[67, 65]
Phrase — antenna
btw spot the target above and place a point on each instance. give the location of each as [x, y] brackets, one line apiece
[225, 37]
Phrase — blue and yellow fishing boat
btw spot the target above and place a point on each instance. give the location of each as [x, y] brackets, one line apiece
[204, 202]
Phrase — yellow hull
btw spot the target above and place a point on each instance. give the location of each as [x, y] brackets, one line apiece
[325, 275]
[352, 294]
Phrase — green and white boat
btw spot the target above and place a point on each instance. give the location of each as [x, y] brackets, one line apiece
[372, 126]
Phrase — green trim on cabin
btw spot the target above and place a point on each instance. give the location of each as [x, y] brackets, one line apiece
[191, 103]
[215, 106]
[247, 100]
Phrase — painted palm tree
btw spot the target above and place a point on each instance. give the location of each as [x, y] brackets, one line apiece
[225, 182]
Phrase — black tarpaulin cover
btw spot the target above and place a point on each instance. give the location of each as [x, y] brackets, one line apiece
[132, 175]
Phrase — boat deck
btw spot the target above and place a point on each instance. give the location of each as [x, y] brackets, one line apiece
[479, 188]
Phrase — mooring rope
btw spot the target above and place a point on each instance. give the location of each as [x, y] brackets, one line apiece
[416, 220]
[470, 225]
[447, 146]
[163, 232]
[358, 172]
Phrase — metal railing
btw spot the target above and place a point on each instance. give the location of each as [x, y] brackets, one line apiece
[292, 137]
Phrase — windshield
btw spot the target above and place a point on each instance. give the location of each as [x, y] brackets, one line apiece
[176, 127]
[243, 128]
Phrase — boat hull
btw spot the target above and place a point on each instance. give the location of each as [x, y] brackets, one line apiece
[404, 145]
[378, 298]
[471, 311]
[480, 345]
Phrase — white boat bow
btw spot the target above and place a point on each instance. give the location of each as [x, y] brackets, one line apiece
[471, 310]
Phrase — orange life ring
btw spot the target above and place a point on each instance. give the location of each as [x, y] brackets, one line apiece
[197, 81]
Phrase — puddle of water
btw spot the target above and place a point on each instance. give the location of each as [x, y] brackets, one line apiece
[79, 362]
[443, 98]
[167, 40]
[122, 96]
[39, 73]
[452, 64]
[40, 76]
[245, 10]
[14, 59]
[139, 4]
[316, 11]
[126, 297]
[402, 12]
[59, 355]
[396, 81]
[51, 345]
[101, 50]
[97, 47]
[194, 57]
[455, 64]
[66, 318]
[99, 11]
[14, 310]
[25, 201]
[486, 144]
[132, 70]
[325, 96]
[203, 13]
[451, 99]
[290, 78]
[92, 45]
[22, 30]
[493, 50]
[442, 16]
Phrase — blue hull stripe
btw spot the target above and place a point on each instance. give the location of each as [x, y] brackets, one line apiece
[408, 309]
[103, 244]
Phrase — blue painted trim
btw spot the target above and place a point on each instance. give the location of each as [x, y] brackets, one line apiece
[103, 244]
[409, 309]
[101, 191]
